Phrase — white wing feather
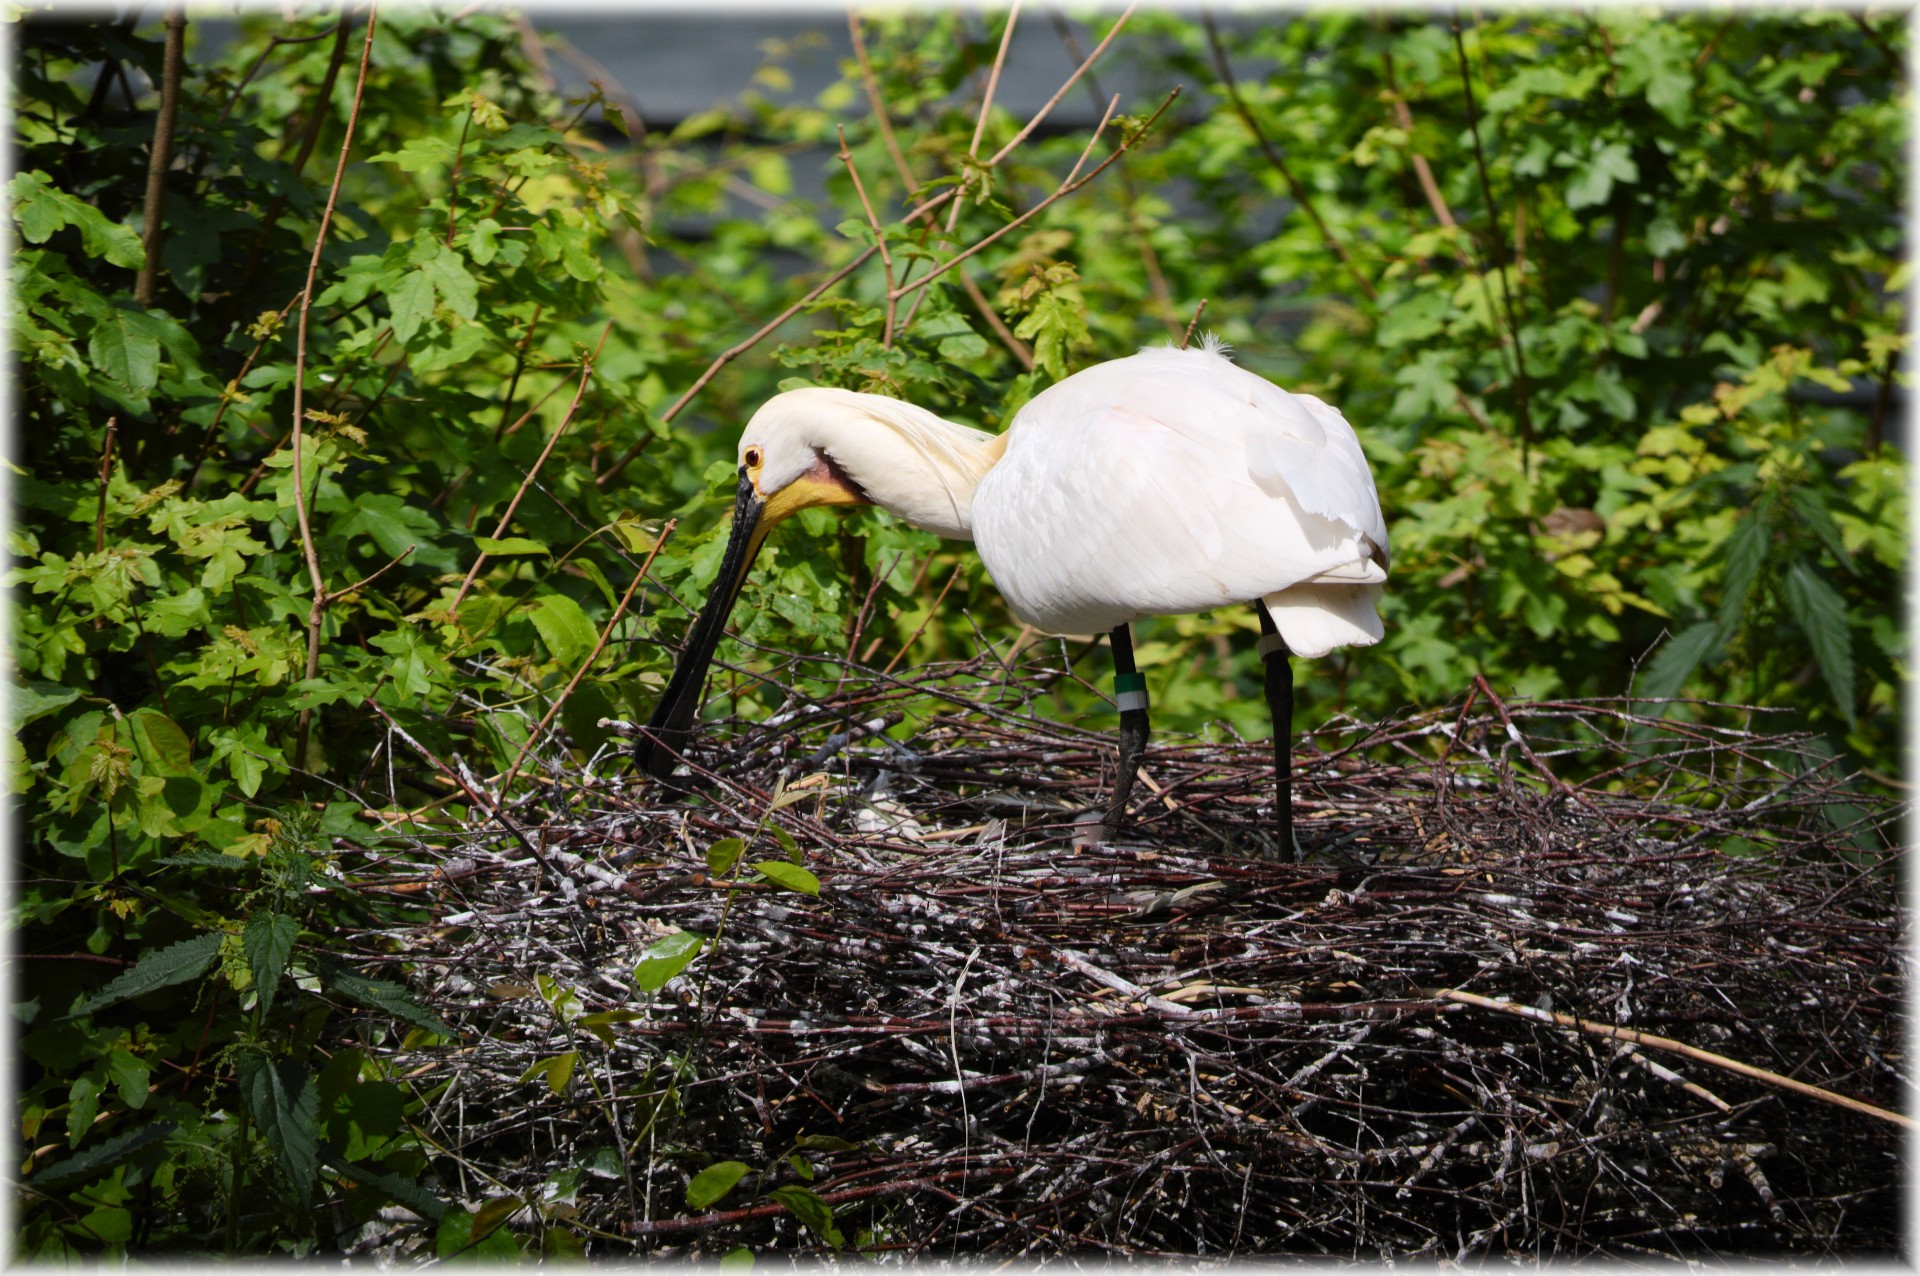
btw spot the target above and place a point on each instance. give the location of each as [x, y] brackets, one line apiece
[1174, 482]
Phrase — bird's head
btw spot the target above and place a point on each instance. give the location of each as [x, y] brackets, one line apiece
[785, 456]
[784, 467]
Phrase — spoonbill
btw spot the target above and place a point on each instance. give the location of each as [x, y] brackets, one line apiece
[1167, 482]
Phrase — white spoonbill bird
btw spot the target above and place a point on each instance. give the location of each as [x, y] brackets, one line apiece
[1170, 481]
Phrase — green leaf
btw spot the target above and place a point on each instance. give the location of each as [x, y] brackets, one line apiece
[405, 1192]
[97, 1160]
[557, 1069]
[130, 1075]
[565, 629]
[418, 155]
[40, 209]
[483, 240]
[714, 1182]
[737, 1259]
[163, 745]
[410, 302]
[285, 1104]
[396, 526]
[1675, 662]
[126, 347]
[455, 286]
[1822, 614]
[509, 545]
[268, 940]
[83, 1104]
[37, 699]
[723, 855]
[1813, 509]
[175, 964]
[382, 996]
[1658, 62]
[805, 1204]
[462, 1235]
[666, 959]
[1606, 163]
[789, 876]
[1746, 552]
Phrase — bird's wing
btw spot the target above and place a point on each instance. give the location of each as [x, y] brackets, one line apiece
[1158, 487]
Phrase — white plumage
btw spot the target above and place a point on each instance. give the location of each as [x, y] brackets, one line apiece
[1174, 481]
[1167, 482]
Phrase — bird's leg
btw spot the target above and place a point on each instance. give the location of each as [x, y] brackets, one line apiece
[1130, 693]
[1273, 653]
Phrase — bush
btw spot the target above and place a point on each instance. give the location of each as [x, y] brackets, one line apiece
[1620, 328]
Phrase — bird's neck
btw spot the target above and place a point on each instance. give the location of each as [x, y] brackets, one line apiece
[916, 464]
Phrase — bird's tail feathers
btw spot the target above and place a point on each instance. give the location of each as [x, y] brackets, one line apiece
[1315, 618]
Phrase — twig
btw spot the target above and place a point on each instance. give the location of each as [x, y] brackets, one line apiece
[1193, 323]
[506, 518]
[304, 723]
[1403, 116]
[453, 181]
[1065, 190]
[1299, 192]
[160, 156]
[1677, 1047]
[724, 1218]
[735, 351]
[457, 781]
[1129, 196]
[1522, 395]
[1019, 349]
[951, 193]
[932, 611]
[309, 139]
[993, 80]
[1513, 733]
[227, 399]
[879, 107]
[519, 366]
[334, 595]
[106, 473]
[879, 235]
[1061, 92]
[533, 737]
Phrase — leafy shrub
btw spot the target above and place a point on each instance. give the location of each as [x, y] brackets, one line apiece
[1603, 323]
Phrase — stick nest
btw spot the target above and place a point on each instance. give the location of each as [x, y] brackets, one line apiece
[980, 1039]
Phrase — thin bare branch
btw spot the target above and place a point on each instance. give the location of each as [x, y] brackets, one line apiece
[993, 80]
[160, 156]
[879, 235]
[1677, 1047]
[1065, 189]
[311, 553]
[534, 737]
[1522, 394]
[106, 473]
[1193, 323]
[506, 518]
[1279, 162]
[879, 107]
[1034, 123]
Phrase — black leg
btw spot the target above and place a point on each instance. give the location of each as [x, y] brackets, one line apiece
[1130, 691]
[1274, 653]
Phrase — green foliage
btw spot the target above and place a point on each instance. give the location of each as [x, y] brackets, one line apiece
[1618, 333]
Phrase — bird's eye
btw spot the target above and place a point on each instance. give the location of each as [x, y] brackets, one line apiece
[753, 458]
